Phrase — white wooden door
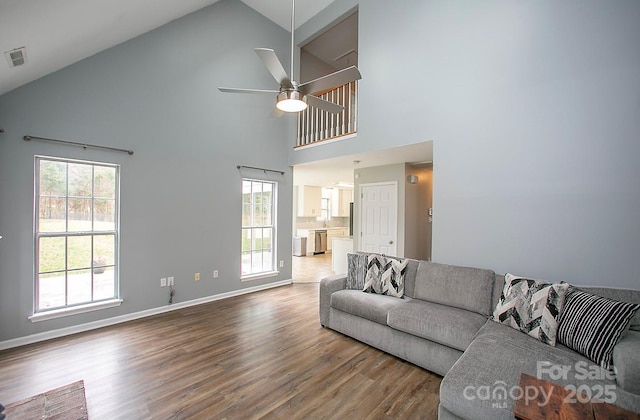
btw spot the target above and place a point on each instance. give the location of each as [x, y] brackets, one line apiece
[379, 218]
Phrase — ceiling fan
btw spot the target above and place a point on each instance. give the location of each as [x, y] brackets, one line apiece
[293, 96]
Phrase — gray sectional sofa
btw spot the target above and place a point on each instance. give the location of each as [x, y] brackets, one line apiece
[443, 324]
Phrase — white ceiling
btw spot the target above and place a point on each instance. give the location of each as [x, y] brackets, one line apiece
[326, 173]
[57, 33]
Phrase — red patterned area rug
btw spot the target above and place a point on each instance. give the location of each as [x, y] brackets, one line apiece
[64, 403]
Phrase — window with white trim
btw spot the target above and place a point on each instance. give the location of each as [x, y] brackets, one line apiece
[76, 232]
[258, 227]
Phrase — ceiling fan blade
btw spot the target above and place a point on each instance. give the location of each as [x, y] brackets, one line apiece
[339, 78]
[324, 105]
[256, 91]
[270, 60]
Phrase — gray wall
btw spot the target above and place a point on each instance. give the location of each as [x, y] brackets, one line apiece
[180, 191]
[533, 110]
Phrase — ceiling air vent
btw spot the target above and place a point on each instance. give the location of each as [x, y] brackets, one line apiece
[16, 57]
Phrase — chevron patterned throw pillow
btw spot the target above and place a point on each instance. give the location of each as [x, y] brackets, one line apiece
[531, 306]
[385, 276]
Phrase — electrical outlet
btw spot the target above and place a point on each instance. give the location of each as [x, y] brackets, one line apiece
[281, 263]
[163, 282]
[196, 277]
[215, 274]
[170, 281]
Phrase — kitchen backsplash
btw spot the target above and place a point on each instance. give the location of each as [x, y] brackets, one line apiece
[312, 222]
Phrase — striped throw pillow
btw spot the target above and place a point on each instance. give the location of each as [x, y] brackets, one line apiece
[592, 325]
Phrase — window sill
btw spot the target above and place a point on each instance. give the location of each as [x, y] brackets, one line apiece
[74, 310]
[259, 276]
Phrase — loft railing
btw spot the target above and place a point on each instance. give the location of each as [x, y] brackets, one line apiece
[315, 125]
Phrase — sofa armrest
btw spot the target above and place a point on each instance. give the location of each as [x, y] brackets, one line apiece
[626, 360]
[328, 285]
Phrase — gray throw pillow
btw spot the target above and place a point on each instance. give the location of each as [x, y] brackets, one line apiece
[356, 270]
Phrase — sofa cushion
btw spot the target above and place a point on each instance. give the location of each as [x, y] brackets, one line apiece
[460, 287]
[480, 383]
[626, 360]
[366, 305]
[453, 327]
[531, 306]
[592, 325]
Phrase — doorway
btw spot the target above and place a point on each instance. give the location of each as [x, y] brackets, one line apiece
[379, 218]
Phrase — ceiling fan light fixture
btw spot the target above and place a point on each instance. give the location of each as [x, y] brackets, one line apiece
[290, 101]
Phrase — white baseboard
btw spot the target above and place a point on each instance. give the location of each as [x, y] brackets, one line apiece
[48, 335]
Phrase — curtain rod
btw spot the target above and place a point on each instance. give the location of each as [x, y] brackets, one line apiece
[260, 169]
[72, 143]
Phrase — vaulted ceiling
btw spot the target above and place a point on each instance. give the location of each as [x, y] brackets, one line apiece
[58, 33]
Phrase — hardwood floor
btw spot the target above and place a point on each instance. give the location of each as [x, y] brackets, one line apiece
[261, 356]
[311, 268]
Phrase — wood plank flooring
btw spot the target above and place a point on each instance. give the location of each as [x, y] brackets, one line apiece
[311, 268]
[259, 356]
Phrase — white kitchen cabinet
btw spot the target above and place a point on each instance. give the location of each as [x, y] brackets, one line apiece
[335, 233]
[340, 199]
[331, 233]
[309, 201]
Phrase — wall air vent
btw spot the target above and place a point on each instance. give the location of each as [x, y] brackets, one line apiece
[16, 57]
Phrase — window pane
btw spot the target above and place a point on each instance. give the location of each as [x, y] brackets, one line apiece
[104, 182]
[78, 286]
[257, 239]
[246, 263]
[257, 213]
[78, 252]
[256, 262]
[79, 214]
[104, 214]
[246, 214]
[103, 250]
[51, 254]
[266, 212]
[53, 178]
[80, 180]
[246, 240]
[51, 214]
[51, 290]
[266, 239]
[104, 284]
[266, 261]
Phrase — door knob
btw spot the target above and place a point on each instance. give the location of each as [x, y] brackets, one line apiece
[390, 242]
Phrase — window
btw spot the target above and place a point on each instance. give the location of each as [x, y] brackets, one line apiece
[258, 227]
[325, 203]
[76, 233]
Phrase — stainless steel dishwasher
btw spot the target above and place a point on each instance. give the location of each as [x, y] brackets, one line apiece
[321, 242]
